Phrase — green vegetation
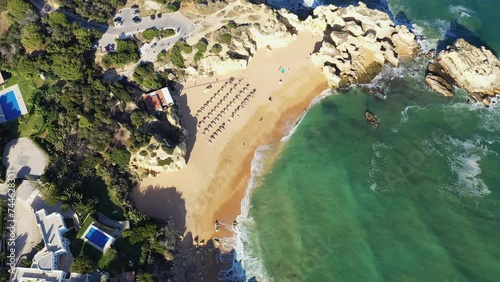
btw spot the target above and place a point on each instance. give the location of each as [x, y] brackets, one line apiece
[18, 10]
[108, 204]
[198, 56]
[73, 117]
[95, 10]
[144, 153]
[216, 49]
[201, 45]
[225, 38]
[32, 36]
[231, 25]
[127, 52]
[82, 264]
[151, 33]
[84, 226]
[184, 47]
[174, 55]
[147, 77]
[165, 162]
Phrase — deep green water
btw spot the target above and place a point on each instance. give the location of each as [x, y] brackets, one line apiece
[417, 199]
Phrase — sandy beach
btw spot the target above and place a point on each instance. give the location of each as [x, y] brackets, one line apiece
[223, 138]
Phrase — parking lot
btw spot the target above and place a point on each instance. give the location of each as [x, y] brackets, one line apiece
[176, 21]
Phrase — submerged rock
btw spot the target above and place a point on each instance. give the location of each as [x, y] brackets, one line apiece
[474, 69]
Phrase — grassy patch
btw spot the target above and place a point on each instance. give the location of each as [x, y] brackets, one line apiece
[29, 124]
[151, 33]
[109, 205]
[86, 223]
[164, 162]
[123, 246]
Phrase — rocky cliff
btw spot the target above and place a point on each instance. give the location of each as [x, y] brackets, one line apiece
[474, 69]
[357, 42]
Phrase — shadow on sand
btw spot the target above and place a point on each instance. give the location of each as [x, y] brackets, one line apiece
[194, 259]
[188, 119]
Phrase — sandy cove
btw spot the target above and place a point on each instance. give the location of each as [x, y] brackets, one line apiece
[212, 185]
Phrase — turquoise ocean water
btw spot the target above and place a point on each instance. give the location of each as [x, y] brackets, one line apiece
[416, 199]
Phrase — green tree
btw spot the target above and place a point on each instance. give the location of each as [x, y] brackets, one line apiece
[144, 277]
[67, 67]
[216, 49]
[146, 76]
[83, 265]
[198, 56]
[225, 38]
[57, 19]
[18, 9]
[32, 36]
[138, 118]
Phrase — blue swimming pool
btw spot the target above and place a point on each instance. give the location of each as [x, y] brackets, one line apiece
[10, 107]
[97, 237]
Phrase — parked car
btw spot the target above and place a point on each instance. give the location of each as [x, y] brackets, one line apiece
[137, 19]
[153, 17]
[117, 19]
[159, 15]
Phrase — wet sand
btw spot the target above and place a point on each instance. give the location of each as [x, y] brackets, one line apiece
[212, 185]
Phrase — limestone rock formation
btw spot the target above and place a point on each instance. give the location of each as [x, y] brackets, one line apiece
[474, 69]
[357, 42]
[438, 81]
[156, 158]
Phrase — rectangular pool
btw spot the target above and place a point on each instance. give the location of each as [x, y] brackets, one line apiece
[10, 106]
[97, 237]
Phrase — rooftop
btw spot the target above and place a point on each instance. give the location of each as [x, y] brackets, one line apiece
[52, 227]
[24, 274]
[24, 158]
[157, 99]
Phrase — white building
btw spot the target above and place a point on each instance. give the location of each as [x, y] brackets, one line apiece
[24, 274]
[52, 228]
[45, 266]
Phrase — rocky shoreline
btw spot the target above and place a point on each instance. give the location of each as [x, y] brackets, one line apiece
[474, 69]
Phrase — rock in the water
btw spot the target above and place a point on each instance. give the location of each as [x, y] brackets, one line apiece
[357, 42]
[474, 69]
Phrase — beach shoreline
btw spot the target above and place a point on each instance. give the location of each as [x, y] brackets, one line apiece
[213, 184]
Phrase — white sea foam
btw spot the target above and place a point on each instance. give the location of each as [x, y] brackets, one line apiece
[424, 38]
[464, 161]
[315, 101]
[460, 11]
[251, 265]
[404, 113]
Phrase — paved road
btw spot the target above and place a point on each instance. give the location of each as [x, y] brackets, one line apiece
[40, 4]
[176, 21]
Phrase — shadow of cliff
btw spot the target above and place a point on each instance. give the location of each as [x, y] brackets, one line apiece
[160, 202]
[204, 261]
[456, 31]
[188, 119]
[194, 259]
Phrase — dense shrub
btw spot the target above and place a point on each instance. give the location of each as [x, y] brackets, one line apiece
[216, 49]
